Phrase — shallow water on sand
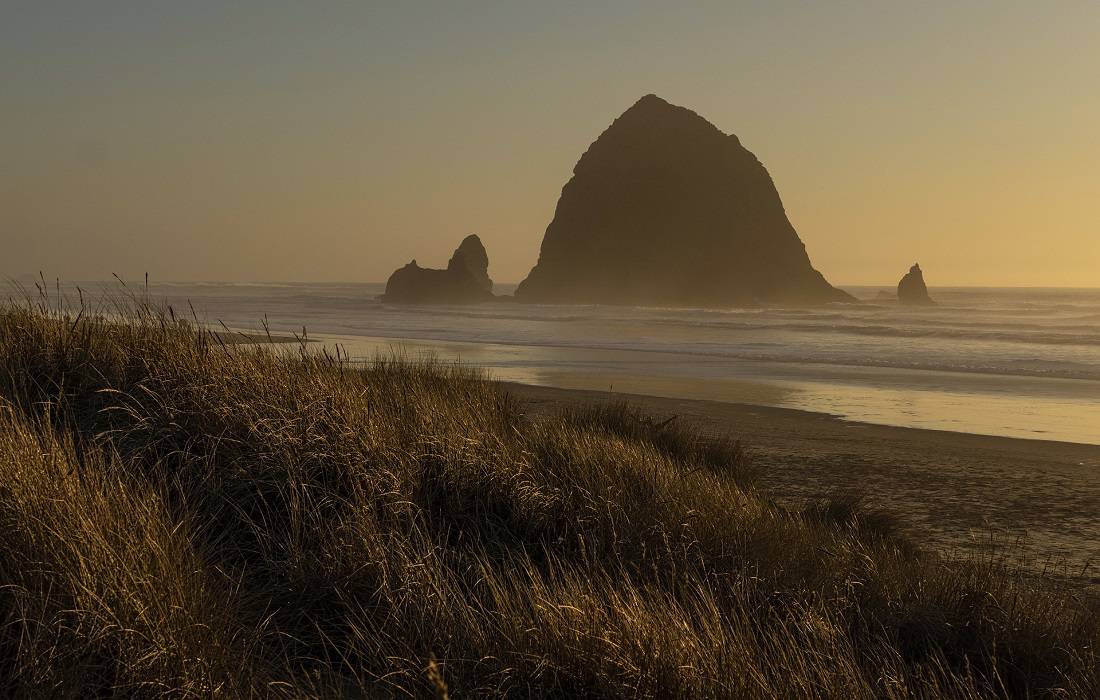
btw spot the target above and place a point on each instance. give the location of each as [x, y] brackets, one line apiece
[1013, 362]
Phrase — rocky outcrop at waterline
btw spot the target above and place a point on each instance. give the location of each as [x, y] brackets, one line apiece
[912, 290]
[465, 280]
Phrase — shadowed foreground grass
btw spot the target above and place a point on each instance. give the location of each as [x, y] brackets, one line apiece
[183, 517]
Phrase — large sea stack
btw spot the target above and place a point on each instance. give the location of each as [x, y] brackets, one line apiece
[465, 279]
[666, 209]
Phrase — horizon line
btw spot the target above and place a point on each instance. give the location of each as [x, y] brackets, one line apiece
[119, 279]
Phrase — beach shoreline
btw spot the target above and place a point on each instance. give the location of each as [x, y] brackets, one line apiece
[955, 492]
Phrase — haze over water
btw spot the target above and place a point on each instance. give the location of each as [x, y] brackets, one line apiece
[1012, 362]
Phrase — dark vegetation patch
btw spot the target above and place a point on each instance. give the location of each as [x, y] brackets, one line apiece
[187, 517]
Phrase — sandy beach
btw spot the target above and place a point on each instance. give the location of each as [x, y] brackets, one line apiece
[956, 492]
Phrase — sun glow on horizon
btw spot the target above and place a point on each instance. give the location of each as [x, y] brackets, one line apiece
[199, 142]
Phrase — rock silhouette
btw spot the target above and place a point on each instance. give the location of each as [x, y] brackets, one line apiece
[464, 281]
[471, 256]
[911, 288]
[664, 208]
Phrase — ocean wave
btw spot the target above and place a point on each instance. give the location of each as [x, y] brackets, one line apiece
[1040, 336]
[1018, 367]
[597, 320]
[1008, 333]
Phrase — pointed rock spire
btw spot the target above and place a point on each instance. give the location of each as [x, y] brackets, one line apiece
[912, 289]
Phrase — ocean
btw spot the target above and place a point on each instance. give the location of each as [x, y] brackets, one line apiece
[1016, 362]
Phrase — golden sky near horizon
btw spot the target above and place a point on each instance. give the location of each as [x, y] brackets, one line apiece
[336, 141]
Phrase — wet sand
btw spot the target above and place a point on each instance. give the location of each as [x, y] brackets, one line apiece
[955, 492]
[252, 338]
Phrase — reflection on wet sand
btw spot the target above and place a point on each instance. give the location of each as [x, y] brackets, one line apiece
[1022, 407]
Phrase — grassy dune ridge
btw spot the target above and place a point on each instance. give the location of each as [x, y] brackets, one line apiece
[186, 517]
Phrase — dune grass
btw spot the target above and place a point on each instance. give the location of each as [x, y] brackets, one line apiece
[184, 517]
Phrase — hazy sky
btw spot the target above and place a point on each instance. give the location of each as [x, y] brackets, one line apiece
[337, 140]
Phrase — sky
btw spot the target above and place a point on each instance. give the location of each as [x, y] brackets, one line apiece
[335, 141]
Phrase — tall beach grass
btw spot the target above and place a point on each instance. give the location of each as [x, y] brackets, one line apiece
[188, 517]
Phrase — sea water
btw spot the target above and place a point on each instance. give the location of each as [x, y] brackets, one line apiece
[1011, 362]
